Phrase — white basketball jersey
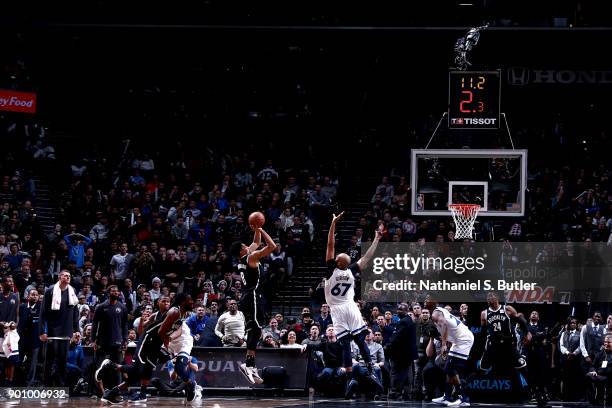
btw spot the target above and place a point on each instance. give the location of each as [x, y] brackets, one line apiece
[457, 331]
[181, 340]
[340, 288]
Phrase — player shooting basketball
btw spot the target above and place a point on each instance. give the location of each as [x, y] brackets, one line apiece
[251, 304]
[340, 296]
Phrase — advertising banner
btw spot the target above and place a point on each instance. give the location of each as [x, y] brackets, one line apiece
[219, 366]
[14, 101]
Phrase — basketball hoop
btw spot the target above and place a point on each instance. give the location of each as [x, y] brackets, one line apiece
[464, 216]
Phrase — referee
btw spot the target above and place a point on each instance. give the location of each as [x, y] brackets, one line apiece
[109, 334]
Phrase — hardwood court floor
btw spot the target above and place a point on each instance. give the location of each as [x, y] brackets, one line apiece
[251, 402]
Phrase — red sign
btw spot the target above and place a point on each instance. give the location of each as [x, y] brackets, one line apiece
[17, 101]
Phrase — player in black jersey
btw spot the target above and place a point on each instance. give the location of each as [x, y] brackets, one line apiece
[148, 354]
[251, 303]
[501, 350]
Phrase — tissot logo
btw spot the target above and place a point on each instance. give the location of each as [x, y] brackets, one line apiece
[480, 121]
[520, 76]
[473, 121]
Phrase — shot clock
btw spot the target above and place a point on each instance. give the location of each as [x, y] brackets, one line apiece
[474, 99]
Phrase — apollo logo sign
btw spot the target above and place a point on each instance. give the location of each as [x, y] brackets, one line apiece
[521, 76]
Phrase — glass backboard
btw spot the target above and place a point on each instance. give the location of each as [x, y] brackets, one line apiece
[494, 179]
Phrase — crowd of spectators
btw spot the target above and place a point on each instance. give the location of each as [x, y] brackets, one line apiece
[566, 355]
[156, 229]
[161, 226]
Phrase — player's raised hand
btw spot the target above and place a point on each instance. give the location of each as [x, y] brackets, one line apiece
[379, 231]
[336, 218]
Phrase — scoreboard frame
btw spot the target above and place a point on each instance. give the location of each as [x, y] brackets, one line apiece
[465, 114]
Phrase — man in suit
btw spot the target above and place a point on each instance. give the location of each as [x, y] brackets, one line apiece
[599, 374]
[401, 351]
[29, 343]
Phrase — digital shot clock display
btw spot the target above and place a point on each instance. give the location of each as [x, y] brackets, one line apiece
[474, 99]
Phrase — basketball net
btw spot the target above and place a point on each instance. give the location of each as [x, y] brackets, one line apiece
[464, 216]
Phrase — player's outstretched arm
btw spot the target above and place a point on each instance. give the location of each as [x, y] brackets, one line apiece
[520, 319]
[363, 261]
[254, 257]
[441, 322]
[171, 317]
[256, 240]
[483, 324]
[331, 237]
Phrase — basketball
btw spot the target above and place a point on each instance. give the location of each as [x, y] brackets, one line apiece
[257, 219]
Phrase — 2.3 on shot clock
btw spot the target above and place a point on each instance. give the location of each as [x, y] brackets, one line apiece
[474, 99]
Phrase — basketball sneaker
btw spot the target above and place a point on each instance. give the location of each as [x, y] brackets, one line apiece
[459, 402]
[198, 392]
[443, 400]
[251, 374]
[138, 397]
[79, 386]
[112, 397]
[105, 363]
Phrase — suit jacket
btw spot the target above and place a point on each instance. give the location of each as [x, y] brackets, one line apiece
[402, 348]
[28, 327]
[600, 357]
